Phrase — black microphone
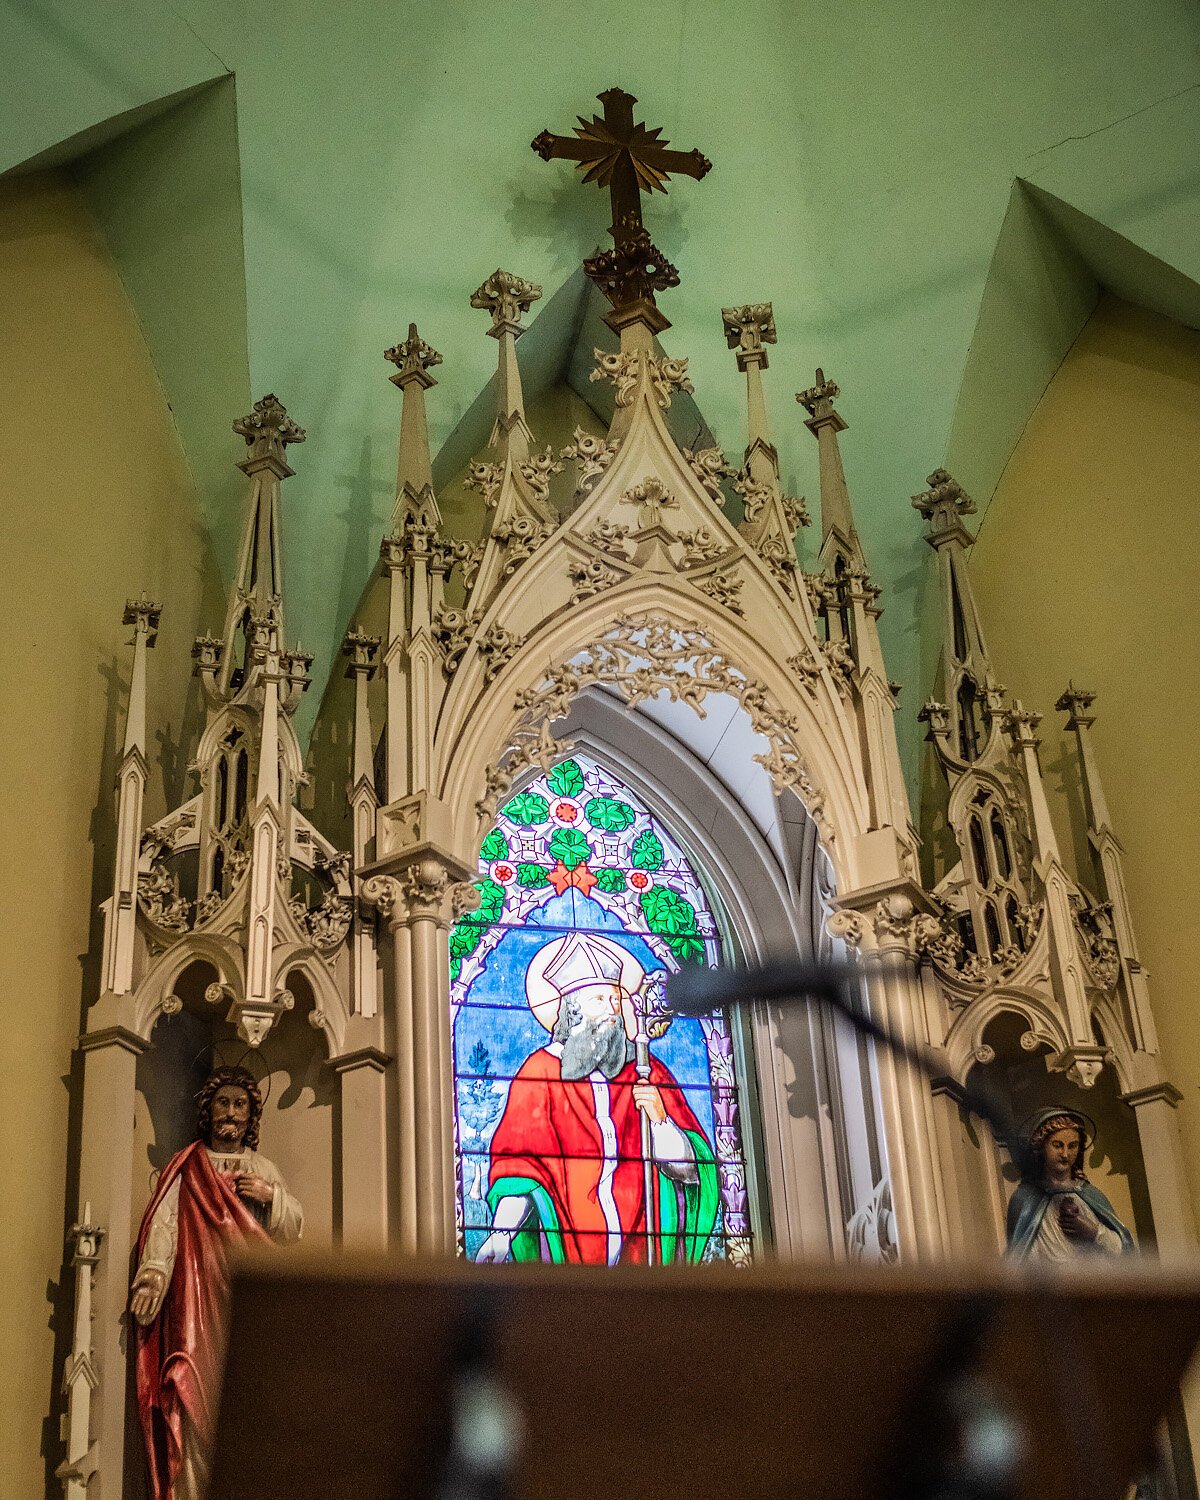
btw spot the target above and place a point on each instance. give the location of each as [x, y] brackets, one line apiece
[696, 991]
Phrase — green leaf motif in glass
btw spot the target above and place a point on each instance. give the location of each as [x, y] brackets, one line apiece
[647, 852]
[455, 969]
[566, 779]
[531, 876]
[569, 845]
[491, 903]
[610, 880]
[688, 947]
[494, 847]
[527, 808]
[668, 912]
[609, 814]
[464, 938]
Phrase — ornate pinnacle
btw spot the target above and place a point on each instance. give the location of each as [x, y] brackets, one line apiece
[818, 401]
[1075, 702]
[412, 358]
[268, 430]
[362, 650]
[747, 329]
[944, 497]
[506, 297]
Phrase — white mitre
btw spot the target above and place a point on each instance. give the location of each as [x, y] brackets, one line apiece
[572, 963]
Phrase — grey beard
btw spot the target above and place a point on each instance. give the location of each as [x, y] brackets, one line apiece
[595, 1048]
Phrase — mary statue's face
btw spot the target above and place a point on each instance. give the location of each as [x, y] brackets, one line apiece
[1060, 1154]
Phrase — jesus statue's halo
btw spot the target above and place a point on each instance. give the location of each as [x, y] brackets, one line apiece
[574, 962]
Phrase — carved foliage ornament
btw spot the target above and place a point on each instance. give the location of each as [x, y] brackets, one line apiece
[643, 656]
[592, 454]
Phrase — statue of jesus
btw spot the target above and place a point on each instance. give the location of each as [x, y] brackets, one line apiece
[213, 1194]
[574, 1175]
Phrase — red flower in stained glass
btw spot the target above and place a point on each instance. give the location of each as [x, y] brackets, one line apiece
[639, 880]
[503, 873]
[566, 812]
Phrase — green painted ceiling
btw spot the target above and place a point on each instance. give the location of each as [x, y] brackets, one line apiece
[930, 194]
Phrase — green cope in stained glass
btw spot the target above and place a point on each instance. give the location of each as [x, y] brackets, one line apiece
[586, 896]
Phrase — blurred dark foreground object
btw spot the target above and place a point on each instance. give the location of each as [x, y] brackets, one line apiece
[380, 1379]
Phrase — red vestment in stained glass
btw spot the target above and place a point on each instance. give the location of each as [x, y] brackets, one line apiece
[553, 1133]
[179, 1354]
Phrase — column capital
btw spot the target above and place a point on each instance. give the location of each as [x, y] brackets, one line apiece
[506, 297]
[362, 1057]
[1153, 1093]
[120, 1037]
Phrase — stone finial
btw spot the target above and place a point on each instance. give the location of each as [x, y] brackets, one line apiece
[362, 651]
[1075, 702]
[413, 359]
[268, 430]
[1022, 723]
[818, 401]
[144, 614]
[506, 297]
[747, 329]
[944, 499]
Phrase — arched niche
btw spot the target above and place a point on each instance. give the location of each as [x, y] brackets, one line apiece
[298, 1128]
[1017, 1072]
[814, 1138]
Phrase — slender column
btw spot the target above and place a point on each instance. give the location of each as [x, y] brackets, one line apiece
[1084, 1059]
[1162, 1157]
[506, 297]
[363, 653]
[1108, 862]
[417, 899]
[120, 916]
[105, 1186]
[79, 1378]
[362, 1077]
[837, 518]
[886, 940]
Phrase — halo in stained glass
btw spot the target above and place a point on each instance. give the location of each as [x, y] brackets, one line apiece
[590, 1124]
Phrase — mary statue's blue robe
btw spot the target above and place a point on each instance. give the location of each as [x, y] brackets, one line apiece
[1027, 1208]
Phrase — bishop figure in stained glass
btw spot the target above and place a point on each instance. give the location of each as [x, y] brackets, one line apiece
[591, 1126]
[569, 1158]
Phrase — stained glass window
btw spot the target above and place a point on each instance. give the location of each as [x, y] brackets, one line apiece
[591, 1125]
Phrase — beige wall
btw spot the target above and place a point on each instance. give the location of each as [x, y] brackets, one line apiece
[1088, 567]
[97, 504]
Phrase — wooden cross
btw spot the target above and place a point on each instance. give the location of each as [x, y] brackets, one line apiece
[623, 157]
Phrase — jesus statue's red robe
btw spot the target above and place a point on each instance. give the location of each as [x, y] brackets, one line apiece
[574, 1148]
[179, 1355]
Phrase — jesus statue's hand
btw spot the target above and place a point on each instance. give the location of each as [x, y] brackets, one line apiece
[495, 1249]
[254, 1189]
[149, 1288]
[648, 1099]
